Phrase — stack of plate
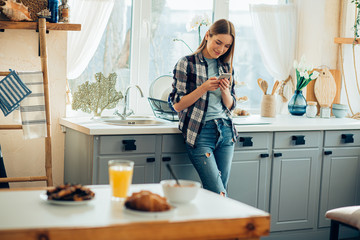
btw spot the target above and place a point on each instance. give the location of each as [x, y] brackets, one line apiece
[161, 87]
[159, 92]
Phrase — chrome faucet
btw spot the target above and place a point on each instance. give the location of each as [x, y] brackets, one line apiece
[127, 112]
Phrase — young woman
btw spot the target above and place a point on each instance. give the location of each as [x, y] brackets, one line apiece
[203, 102]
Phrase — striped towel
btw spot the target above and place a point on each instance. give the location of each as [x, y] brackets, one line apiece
[12, 92]
[32, 108]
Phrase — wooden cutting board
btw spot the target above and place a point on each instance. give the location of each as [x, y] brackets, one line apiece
[310, 93]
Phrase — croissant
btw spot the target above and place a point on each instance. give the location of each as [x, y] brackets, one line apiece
[147, 201]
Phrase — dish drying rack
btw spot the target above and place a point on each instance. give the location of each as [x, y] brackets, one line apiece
[161, 109]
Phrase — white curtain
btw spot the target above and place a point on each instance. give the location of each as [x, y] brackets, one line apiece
[93, 15]
[275, 31]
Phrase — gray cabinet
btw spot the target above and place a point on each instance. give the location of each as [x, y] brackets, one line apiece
[86, 157]
[340, 182]
[173, 152]
[250, 171]
[295, 180]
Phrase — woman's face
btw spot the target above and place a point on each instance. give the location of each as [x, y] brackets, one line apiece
[217, 45]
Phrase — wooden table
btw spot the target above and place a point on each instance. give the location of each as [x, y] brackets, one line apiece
[23, 215]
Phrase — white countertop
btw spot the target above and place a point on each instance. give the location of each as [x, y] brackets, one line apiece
[26, 210]
[253, 123]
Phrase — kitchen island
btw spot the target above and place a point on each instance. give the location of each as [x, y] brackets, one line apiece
[294, 167]
[24, 215]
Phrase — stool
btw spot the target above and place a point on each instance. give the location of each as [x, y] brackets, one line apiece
[347, 216]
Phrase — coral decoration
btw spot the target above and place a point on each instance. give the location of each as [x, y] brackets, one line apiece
[97, 96]
[16, 11]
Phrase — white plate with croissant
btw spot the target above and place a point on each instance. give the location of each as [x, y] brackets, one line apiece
[148, 204]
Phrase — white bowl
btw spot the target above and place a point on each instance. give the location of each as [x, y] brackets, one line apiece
[180, 194]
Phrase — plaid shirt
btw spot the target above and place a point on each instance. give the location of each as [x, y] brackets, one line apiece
[189, 73]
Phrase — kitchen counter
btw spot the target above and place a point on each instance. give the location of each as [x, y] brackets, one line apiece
[253, 123]
[26, 216]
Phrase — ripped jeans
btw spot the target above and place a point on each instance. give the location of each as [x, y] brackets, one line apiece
[213, 154]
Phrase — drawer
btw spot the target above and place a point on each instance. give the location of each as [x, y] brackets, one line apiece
[298, 139]
[127, 144]
[247, 141]
[342, 138]
[174, 143]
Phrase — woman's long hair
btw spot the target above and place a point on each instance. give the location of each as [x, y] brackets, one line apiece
[221, 26]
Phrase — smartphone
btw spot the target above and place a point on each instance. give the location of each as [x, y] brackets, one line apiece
[225, 75]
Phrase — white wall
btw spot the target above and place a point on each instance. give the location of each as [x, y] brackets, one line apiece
[19, 51]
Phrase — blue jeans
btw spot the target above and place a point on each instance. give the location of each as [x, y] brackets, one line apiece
[213, 154]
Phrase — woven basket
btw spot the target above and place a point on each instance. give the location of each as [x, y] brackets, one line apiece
[35, 6]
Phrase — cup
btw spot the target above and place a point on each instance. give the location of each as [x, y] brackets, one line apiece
[120, 177]
[268, 106]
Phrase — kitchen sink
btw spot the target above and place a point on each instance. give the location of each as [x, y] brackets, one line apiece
[143, 121]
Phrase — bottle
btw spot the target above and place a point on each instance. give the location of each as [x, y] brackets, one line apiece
[311, 109]
[325, 111]
[64, 12]
[53, 6]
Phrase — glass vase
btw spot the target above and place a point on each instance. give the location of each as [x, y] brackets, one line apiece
[297, 104]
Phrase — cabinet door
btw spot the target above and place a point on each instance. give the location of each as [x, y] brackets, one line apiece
[181, 165]
[144, 168]
[250, 178]
[340, 184]
[294, 188]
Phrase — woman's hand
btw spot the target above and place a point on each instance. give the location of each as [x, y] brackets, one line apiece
[224, 85]
[211, 84]
[225, 93]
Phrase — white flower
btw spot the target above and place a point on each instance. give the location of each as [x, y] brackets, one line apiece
[314, 75]
[197, 21]
[306, 75]
[296, 64]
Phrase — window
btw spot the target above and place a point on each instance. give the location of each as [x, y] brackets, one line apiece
[168, 30]
[113, 52]
[138, 44]
[248, 65]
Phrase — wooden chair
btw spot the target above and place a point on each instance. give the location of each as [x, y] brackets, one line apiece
[346, 216]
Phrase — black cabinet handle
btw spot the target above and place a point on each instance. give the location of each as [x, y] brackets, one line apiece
[299, 139]
[347, 138]
[327, 152]
[277, 154]
[166, 159]
[150, 160]
[246, 141]
[264, 155]
[129, 145]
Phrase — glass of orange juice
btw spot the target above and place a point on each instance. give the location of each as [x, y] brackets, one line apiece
[120, 177]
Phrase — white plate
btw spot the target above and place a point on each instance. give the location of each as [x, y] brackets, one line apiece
[163, 214]
[44, 197]
[161, 87]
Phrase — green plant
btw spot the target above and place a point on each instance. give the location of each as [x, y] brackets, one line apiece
[304, 73]
[357, 19]
[97, 96]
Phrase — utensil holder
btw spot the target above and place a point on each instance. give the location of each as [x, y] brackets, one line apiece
[268, 106]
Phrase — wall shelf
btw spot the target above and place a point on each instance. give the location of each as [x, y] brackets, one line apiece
[346, 40]
[34, 26]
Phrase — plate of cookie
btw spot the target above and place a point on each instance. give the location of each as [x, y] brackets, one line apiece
[68, 194]
[148, 204]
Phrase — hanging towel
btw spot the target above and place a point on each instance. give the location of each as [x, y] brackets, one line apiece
[12, 92]
[32, 109]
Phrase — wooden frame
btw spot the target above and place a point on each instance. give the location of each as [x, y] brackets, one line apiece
[42, 26]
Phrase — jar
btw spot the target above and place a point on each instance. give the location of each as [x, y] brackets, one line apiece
[53, 6]
[64, 12]
[325, 111]
[311, 109]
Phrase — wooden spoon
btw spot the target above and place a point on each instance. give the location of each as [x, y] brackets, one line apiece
[276, 84]
[264, 86]
[259, 82]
